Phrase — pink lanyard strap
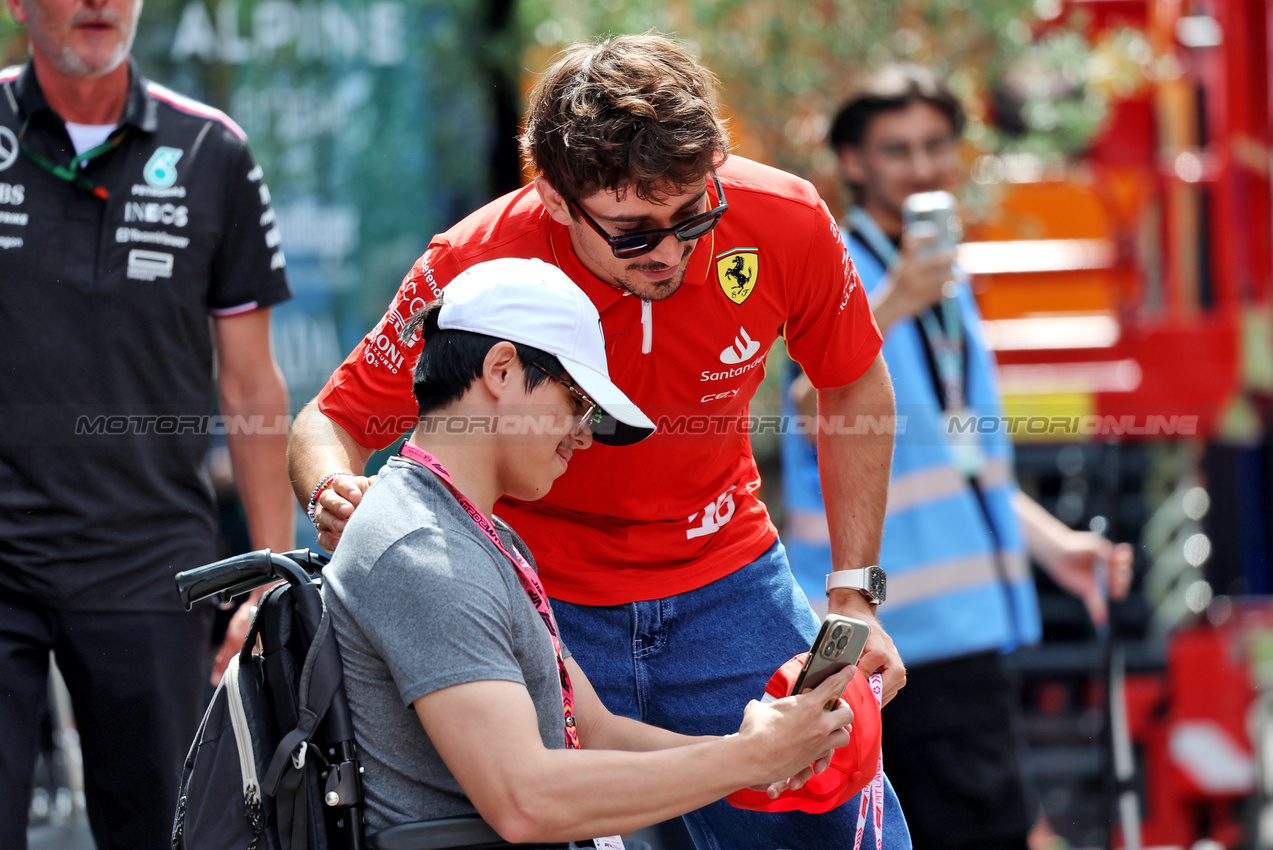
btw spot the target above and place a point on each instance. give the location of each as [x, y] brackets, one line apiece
[872, 796]
[525, 574]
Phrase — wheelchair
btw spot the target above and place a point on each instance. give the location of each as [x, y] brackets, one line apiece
[287, 619]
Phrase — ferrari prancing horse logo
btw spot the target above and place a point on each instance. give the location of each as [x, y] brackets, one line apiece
[736, 271]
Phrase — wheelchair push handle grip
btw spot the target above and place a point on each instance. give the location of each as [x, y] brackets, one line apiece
[244, 573]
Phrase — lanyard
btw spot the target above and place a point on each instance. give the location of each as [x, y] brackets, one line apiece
[947, 344]
[948, 351]
[530, 581]
[71, 173]
[872, 796]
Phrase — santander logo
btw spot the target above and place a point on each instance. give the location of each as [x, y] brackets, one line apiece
[743, 349]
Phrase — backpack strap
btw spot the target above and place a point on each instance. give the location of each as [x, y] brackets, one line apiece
[249, 642]
[276, 616]
[288, 779]
[319, 679]
[293, 803]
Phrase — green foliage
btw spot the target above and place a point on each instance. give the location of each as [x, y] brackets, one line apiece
[786, 66]
[13, 43]
[1065, 85]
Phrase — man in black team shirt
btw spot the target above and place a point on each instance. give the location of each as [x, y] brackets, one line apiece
[129, 215]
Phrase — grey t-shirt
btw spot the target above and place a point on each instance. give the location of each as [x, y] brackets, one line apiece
[421, 600]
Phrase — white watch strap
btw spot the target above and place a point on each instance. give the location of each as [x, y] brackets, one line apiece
[852, 579]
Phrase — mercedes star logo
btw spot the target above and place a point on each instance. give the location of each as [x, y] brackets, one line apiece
[8, 148]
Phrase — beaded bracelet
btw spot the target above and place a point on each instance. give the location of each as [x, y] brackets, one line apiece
[323, 484]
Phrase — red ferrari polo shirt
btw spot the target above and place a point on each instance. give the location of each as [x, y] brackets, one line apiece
[678, 510]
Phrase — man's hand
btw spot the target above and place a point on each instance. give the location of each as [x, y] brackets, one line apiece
[880, 653]
[793, 783]
[319, 446]
[336, 505]
[795, 736]
[1074, 558]
[1076, 567]
[916, 281]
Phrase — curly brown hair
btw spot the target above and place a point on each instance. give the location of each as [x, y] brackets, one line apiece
[631, 112]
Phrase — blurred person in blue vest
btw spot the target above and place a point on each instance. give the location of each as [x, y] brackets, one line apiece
[958, 530]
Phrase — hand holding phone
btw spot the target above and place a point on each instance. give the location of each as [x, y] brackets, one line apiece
[839, 644]
[931, 223]
[932, 217]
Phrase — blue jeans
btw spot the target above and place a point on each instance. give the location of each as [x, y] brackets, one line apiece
[691, 662]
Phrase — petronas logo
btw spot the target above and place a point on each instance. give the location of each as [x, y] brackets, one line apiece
[161, 170]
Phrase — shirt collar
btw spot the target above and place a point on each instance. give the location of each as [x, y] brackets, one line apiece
[30, 98]
[140, 110]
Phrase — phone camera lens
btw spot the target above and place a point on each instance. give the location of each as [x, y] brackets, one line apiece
[842, 643]
[828, 651]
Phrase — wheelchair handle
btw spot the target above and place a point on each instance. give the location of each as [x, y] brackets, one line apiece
[243, 573]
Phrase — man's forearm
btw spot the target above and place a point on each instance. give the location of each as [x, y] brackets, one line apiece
[319, 446]
[260, 460]
[613, 791]
[615, 732]
[607, 791]
[1044, 533]
[854, 459]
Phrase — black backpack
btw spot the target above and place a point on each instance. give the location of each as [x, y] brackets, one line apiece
[274, 765]
[228, 755]
[263, 768]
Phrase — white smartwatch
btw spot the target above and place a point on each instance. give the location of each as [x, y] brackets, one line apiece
[868, 581]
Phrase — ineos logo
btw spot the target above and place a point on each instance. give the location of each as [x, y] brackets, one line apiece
[8, 148]
[157, 213]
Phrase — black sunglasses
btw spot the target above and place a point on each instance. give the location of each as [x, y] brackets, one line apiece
[591, 410]
[631, 245]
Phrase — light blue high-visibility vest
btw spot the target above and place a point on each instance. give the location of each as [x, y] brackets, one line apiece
[958, 578]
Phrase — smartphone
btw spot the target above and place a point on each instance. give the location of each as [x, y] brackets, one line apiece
[932, 216]
[838, 645]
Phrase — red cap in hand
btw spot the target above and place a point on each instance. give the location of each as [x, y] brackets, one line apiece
[853, 766]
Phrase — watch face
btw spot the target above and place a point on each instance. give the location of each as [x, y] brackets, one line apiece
[878, 583]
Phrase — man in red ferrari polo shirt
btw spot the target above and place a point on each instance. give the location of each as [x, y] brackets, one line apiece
[667, 577]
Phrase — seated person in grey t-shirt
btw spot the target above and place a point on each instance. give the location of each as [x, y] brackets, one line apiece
[436, 605]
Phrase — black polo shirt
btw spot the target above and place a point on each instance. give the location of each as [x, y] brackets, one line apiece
[107, 283]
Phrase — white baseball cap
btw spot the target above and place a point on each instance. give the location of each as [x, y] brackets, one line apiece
[536, 304]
